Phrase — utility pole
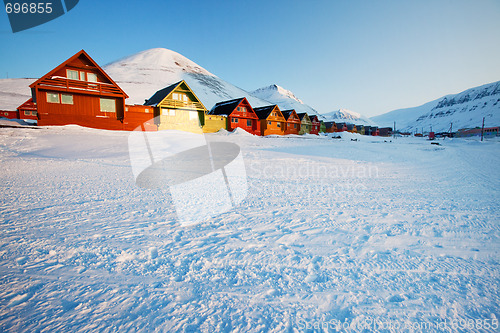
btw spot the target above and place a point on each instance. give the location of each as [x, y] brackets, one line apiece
[482, 130]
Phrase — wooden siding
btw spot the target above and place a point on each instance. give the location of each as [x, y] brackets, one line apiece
[85, 109]
[139, 116]
[273, 124]
[214, 123]
[305, 125]
[9, 114]
[28, 110]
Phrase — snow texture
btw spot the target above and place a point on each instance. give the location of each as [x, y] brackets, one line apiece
[377, 230]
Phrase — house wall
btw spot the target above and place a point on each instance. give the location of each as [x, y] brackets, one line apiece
[292, 127]
[214, 123]
[139, 116]
[85, 111]
[179, 119]
[9, 114]
[305, 127]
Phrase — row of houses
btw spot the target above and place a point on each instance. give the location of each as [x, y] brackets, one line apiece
[78, 91]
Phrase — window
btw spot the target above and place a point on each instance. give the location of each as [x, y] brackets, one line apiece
[82, 76]
[52, 97]
[184, 98]
[167, 112]
[29, 113]
[108, 105]
[294, 125]
[66, 99]
[235, 120]
[269, 122]
[175, 96]
[193, 115]
[249, 122]
[71, 74]
[278, 124]
[91, 77]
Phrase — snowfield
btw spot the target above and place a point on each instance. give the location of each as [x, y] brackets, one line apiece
[378, 234]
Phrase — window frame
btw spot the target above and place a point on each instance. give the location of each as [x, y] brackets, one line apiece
[103, 110]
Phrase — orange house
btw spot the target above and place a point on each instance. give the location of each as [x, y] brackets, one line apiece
[271, 120]
[79, 92]
[292, 125]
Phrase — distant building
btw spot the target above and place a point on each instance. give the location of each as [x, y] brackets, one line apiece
[488, 132]
[385, 131]
[292, 122]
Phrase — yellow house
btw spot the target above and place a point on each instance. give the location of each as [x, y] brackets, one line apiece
[305, 123]
[176, 107]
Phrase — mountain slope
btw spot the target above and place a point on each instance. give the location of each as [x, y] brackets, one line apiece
[142, 74]
[285, 99]
[464, 110]
[14, 92]
[348, 116]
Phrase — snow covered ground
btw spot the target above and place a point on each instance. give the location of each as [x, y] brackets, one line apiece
[378, 234]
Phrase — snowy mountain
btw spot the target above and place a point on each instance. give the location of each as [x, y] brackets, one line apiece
[285, 99]
[142, 74]
[14, 92]
[464, 110]
[347, 116]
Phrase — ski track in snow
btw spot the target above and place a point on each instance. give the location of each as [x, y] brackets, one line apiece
[330, 230]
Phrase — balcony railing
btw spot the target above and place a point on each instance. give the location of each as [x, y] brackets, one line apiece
[70, 85]
[170, 103]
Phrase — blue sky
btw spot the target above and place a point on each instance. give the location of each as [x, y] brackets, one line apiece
[367, 56]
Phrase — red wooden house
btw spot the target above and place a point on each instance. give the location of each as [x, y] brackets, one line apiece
[292, 125]
[28, 110]
[315, 124]
[239, 113]
[79, 92]
[271, 120]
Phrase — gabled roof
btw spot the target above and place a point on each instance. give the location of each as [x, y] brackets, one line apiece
[287, 113]
[28, 105]
[226, 107]
[313, 118]
[264, 111]
[77, 55]
[302, 115]
[161, 94]
[329, 124]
